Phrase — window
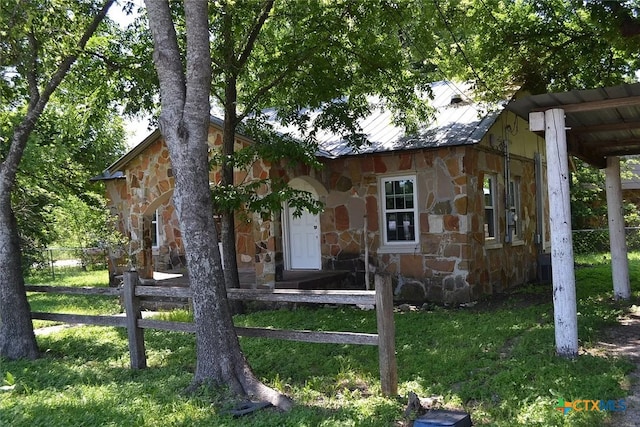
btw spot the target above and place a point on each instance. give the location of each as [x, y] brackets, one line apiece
[513, 221]
[489, 190]
[155, 230]
[399, 211]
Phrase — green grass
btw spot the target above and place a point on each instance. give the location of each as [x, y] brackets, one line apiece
[496, 360]
[76, 304]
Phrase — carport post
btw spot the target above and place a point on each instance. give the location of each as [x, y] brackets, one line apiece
[564, 282]
[617, 237]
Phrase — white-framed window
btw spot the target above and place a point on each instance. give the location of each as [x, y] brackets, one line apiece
[514, 209]
[399, 210]
[155, 230]
[490, 207]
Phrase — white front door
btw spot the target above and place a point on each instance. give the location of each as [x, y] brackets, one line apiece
[304, 241]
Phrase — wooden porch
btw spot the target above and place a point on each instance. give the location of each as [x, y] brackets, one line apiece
[292, 279]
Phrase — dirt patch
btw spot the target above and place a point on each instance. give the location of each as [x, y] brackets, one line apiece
[623, 340]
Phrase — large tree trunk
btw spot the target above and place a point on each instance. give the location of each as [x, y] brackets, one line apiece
[17, 340]
[184, 122]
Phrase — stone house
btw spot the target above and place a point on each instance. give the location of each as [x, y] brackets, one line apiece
[453, 212]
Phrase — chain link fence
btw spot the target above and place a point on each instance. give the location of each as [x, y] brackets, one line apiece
[57, 259]
[596, 241]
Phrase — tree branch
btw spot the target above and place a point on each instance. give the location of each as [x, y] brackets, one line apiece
[253, 35]
[263, 90]
[166, 55]
[32, 71]
[23, 130]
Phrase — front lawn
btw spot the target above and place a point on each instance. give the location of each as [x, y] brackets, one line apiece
[495, 360]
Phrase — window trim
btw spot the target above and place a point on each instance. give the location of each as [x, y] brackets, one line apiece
[515, 206]
[404, 245]
[155, 229]
[490, 240]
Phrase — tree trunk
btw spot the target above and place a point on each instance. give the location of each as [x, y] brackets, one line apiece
[184, 123]
[228, 221]
[17, 340]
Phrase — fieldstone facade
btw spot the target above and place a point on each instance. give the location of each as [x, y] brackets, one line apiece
[145, 186]
[451, 260]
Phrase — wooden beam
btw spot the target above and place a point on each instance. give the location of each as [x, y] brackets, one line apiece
[387, 335]
[310, 336]
[83, 319]
[576, 148]
[598, 149]
[617, 238]
[304, 296]
[606, 127]
[289, 335]
[164, 291]
[562, 263]
[72, 290]
[135, 334]
[579, 107]
[273, 295]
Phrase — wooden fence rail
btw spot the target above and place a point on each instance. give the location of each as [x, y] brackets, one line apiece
[131, 292]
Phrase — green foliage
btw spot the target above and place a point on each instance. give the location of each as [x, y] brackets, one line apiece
[588, 197]
[79, 131]
[310, 55]
[54, 200]
[501, 43]
[267, 195]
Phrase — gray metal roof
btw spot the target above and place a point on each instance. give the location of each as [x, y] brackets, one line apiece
[463, 122]
[453, 123]
[601, 122]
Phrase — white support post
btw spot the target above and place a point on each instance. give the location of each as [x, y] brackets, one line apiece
[617, 238]
[564, 286]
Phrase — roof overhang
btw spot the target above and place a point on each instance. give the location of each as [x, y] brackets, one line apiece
[600, 122]
[114, 171]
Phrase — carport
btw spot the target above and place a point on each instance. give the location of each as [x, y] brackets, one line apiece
[597, 126]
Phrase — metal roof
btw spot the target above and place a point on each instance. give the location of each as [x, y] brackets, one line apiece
[456, 120]
[601, 122]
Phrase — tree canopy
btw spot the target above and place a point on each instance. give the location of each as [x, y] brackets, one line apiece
[539, 45]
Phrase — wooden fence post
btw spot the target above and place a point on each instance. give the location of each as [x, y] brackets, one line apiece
[386, 335]
[136, 334]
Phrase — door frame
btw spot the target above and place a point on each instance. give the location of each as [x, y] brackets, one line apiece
[314, 187]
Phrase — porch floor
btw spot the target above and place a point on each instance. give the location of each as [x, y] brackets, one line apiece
[292, 279]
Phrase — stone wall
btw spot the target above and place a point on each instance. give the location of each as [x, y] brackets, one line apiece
[501, 265]
[436, 269]
[452, 263]
[147, 186]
